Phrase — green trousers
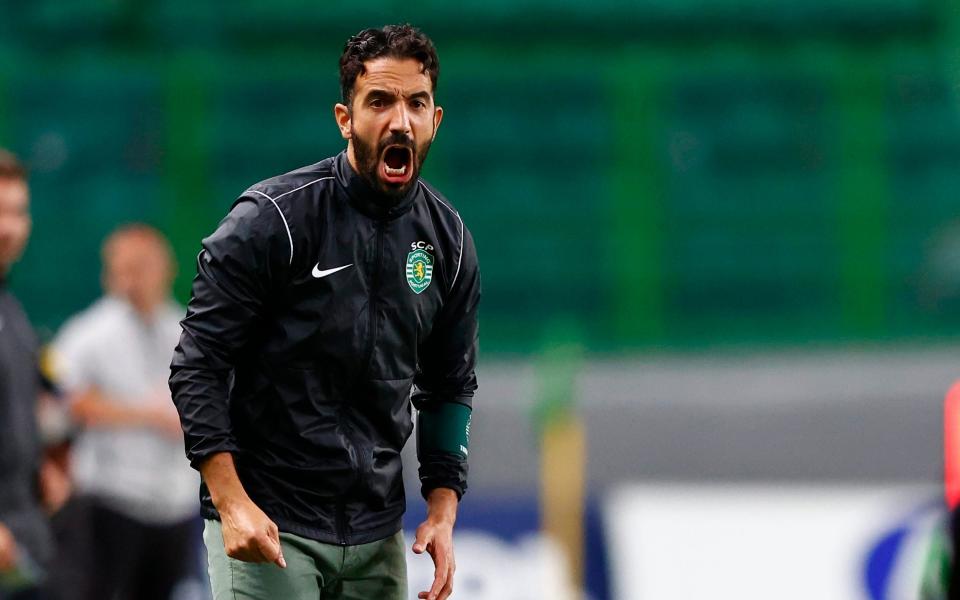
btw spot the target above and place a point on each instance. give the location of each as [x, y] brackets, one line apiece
[315, 571]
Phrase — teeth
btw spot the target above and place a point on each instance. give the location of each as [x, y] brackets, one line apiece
[391, 171]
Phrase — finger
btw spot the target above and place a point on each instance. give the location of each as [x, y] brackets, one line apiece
[275, 537]
[274, 553]
[250, 555]
[271, 551]
[448, 588]
[439, 578]
[280, 561]
[250, 551]
[446, 591]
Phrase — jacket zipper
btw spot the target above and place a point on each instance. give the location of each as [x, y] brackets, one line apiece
[341, 516]
[341, 522]
[373, 323]
[374, 314]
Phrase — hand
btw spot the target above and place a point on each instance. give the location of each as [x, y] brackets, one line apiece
[94, 409]
[55, 486]
[165, 420]
[162, 414]
[249, 534]
[8, 550]
[435, 536]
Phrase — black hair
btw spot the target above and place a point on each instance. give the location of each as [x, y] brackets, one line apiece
[396, 41]
[11, 167]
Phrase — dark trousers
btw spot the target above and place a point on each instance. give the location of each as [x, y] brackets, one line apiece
[68, 577]
[136, 561]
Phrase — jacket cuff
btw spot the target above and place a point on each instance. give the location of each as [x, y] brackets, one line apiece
[443, 471]
[201, 451]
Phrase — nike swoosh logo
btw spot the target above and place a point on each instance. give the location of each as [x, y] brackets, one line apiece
[320, 274]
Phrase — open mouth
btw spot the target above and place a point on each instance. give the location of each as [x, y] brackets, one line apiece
[397, 164]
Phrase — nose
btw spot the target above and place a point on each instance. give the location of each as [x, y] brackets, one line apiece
[400, 119]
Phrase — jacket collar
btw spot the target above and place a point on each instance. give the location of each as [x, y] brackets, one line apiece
[367, 200]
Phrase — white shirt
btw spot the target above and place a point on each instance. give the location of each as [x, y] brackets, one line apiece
[137, 471]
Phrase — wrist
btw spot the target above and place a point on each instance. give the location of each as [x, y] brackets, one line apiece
[230, 502]
[220, 476]
[442, 506]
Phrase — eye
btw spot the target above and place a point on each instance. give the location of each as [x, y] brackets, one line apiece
[418, 104]
[376, 103]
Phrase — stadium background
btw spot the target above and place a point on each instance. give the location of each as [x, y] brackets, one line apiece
[729, 229]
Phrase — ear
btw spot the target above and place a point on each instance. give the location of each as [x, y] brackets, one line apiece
[437, 117]
[342, 116]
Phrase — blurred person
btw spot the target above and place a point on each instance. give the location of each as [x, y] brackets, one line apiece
[25, 542]
[112, 360]
[325, 301]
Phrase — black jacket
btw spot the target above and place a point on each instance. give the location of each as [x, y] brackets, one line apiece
[306, 337]
[20, 445]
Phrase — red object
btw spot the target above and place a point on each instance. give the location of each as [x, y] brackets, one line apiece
[951, 446]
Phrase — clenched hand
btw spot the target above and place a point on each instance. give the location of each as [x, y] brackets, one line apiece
[249, 535]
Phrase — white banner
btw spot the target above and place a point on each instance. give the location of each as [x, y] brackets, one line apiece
[763, 542]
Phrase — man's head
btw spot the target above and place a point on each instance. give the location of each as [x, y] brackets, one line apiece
[14, 210]
[138, 266]
[387, 115]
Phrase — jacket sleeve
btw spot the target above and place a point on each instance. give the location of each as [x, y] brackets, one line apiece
[446, 374]
[236, 269]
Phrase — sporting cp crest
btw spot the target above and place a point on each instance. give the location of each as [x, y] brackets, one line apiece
[419, 267]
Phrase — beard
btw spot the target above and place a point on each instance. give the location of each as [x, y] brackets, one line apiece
[368, 157]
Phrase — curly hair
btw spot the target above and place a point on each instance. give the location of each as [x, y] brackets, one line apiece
[396, 41]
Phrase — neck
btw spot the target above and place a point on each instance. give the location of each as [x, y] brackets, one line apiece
[146, 310]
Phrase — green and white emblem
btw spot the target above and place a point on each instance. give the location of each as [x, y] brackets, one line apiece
[419, 267]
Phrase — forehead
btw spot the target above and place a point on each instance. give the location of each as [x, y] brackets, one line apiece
[404, 75]
[133, 246]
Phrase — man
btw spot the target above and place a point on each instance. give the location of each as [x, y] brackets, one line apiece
[25, 545]
[112, 361]
[324, 300]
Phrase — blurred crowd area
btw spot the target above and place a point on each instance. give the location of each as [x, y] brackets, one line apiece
[96, 499]
[661, 174]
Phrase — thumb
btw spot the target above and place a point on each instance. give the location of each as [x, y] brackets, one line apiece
[420, 543]
[273, 551]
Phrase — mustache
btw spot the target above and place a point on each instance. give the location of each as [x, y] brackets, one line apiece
[396, 139]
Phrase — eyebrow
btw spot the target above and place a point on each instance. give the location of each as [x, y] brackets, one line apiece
[422, 95]
[386, 94]
[377, 93]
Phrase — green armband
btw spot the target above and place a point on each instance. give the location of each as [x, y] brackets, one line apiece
[444, 427]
